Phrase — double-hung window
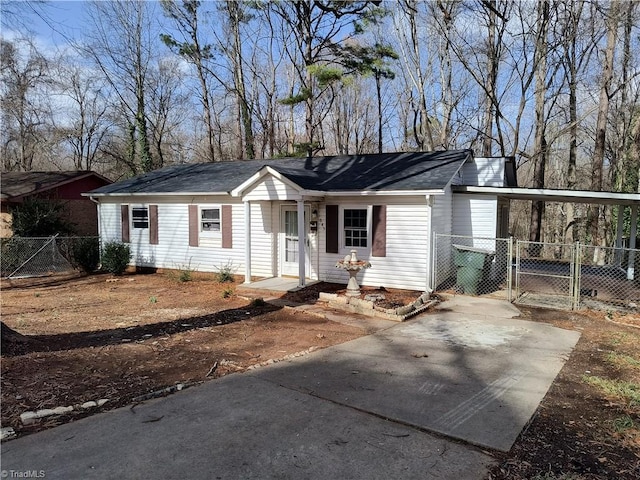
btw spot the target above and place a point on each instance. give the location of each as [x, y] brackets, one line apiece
[355, 228]
[140, 217]
[210, 219]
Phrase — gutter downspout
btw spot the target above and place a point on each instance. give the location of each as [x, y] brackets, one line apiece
[98, 205]
[99, 216]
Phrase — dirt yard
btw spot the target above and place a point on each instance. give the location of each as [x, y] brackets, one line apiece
[123, 338]
[120, 339]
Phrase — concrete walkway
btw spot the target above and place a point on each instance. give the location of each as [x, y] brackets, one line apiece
[469, 371]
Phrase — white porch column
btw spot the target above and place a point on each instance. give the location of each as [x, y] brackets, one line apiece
[247, 242]
[302, 244]
[633, 233]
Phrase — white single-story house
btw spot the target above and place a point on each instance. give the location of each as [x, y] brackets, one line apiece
[297, 217]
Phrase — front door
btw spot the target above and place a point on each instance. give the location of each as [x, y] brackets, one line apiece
[289, 243]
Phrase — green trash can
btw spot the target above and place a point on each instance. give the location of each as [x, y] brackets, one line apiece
[473, 267]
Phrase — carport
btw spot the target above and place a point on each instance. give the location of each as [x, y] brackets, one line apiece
[581, 277]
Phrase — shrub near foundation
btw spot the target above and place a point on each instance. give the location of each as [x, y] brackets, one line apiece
[115, 257]
[85, 253]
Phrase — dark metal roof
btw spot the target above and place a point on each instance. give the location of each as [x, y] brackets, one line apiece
[371, 172]
[19, 184]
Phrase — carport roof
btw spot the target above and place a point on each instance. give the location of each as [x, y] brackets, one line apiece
[555, 195]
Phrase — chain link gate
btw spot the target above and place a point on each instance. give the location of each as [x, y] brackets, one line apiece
[543, 281]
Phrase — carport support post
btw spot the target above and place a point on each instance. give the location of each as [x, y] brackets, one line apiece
[302, 241]
[247, 242]
[633, 233]
[619, 231]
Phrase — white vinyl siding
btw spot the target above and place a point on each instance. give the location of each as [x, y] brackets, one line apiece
[263, 238]
[173, 250]
[407, 240]
[442, 212]
[270, 188]
[441, 223]
[406, 264]
[110, 222]
[475, 216]
[484, 172]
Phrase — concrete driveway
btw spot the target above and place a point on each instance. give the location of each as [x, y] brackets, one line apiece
[382, 406]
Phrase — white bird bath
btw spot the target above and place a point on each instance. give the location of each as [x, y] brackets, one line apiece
[352, 265]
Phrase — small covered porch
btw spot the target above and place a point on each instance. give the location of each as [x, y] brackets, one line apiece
[293, 229]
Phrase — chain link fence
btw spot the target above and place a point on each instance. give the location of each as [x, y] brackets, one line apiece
[608, 278]
[553, 275]
[472, 265]
[41, 256]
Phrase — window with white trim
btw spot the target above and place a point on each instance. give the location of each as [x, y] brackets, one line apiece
[210, 220]
[140, 217]
[355, 227]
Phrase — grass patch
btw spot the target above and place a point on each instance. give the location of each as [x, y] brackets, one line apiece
[621, 360]
[621, 424]
[628, 392]
[624, 338]
[626, 431]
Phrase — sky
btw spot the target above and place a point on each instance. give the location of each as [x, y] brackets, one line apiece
[48, 23]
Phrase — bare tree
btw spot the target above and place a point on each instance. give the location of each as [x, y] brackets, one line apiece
[25, 109]
[119, 43]
[86, 126]
[264, 69]
[317, 32]
[167, 109]
[406, 26]
[236, 14]
[186, 18]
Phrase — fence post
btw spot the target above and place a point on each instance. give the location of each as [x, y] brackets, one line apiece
[510, 269]
[517, 269]
[575, 277]
[434, 263]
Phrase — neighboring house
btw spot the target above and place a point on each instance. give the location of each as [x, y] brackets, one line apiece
[66, 187]
[298, 217]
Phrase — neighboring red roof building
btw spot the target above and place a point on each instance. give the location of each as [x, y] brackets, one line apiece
[66, 187]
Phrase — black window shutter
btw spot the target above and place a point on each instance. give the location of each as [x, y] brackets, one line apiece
[379, 231]
[332, 229]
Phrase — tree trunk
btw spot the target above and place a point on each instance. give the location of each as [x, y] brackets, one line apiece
[491, 79]
[379, 105]
[572, 80]
[14, 343]
[540, 144]
[597, 164]
[238, 76]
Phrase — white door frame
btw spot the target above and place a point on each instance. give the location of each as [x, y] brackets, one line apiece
[292, 268]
